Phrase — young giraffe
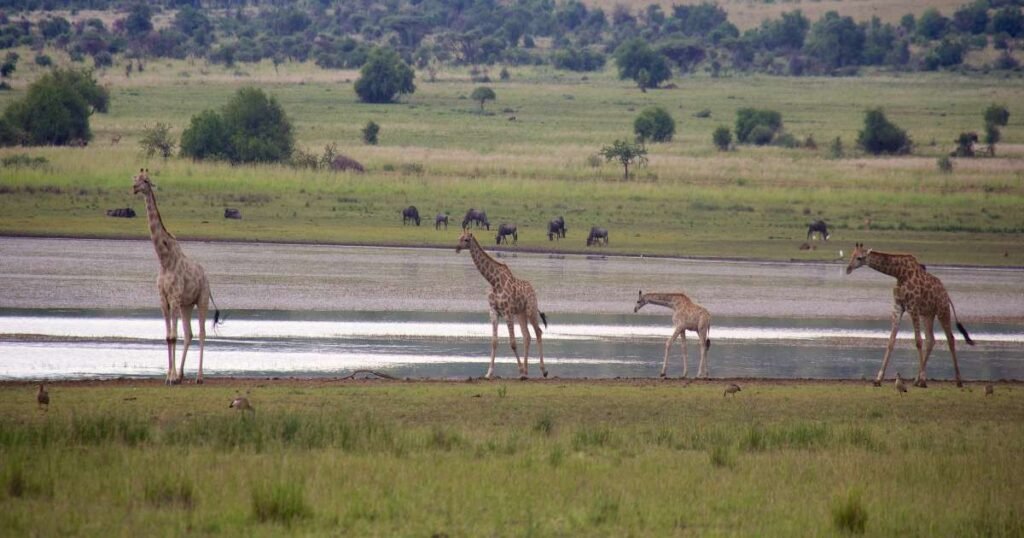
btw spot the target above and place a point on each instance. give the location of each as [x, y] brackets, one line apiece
[182, 284]
[686, 315]
[922, 294]
[510, 298]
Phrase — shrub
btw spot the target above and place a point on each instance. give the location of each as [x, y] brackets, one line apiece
[638, 61]
[56, 109]
[483, 94]
[835, 148]
[206, 137]
[252, 127]
[786, 140]
[849, 514]
[384, 77]
[654, 124]
[281, 502]
[578, 59]
[997, 114]
[760, 135]
[722, 138]
[370, 132]
[881, 136]
[992, 136]
[747, 119]
[157, 139]
[43, 60]
[705, 113]
[944, 164]
[965, 144]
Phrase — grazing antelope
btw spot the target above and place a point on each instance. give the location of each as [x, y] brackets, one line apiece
[43, 398]
[241, 403]
[731, 388]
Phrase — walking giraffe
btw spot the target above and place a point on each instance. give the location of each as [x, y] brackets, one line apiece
[181, 282]
[686, 315]
[511, 298]
[922, 294]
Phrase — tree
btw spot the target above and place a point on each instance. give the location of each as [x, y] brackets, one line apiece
[654, 124]
[56, 108]
[749, 119]
[971, 18]
[157, 139]
[722, 138]
[138, 22]
[638, 61]
[370, 133]
[206, 137]
[260, 130]
[384, 77]
[997, 114]
[881, 136]
[835, 41]
[483, 94]
[626, 153]
[1008, 20]
[932, 25]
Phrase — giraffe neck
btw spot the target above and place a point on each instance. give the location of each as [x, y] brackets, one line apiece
[166, 246]
[900, 266]
[668, 300]
[491, 269]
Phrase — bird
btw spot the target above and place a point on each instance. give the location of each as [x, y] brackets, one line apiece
[43, 397]
[989, 389]
[901, 387]
[242, 404]
[731, 388]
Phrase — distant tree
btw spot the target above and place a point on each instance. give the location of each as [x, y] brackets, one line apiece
[482, 94]
[949, 52]
[971, 18]
[578, 59]
[654, 124]
[252, 127]
[749, 119]
[835, 41]
[9, 65]
[881, 136]
[56, 108]
[787, 33]
[639, 62]
[370, 132]
[835, 148]
[1008, 20]
[43, 60]
[384, 77]
[997, 115]
[157, 140]
[626, 153]
[722, 138]
[138, 22]
[932, 25]
[206, 137]
[944, 164]
[992, 136]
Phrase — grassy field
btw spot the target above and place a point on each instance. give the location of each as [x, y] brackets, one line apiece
[512, 459]
[438, 153]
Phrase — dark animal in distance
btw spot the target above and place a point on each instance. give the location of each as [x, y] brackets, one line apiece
[820, 228]
[410, 214]
[556, 228]
[731, 388]
[439, 219]
[505, 230]
[232, 213]
[597, 236]
[122, 212]
[478, 218]
[43, 397]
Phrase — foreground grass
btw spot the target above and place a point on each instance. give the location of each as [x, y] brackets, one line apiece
[509, 458]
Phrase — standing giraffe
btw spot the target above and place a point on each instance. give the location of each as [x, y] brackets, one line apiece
[922, 294]
[686, 315]
[510, 298]
[182, 284]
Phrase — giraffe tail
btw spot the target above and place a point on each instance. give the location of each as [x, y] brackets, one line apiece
[544, 319]
[960, 326]
[216, 313]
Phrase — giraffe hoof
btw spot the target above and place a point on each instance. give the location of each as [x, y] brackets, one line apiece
[523, 377]
[663, 376]
[959, 384]
[545, 372]
[876, 383]
[921, 384]
[199, 381]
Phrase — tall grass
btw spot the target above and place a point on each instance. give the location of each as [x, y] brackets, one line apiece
[279, 502]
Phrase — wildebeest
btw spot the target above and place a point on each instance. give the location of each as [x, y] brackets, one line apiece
[439, 219]
[505, 230]
[820, 228]
[597, 236]
[556, 228]
[232, 213]
[476, 217]
[122, 212]
[410, 214]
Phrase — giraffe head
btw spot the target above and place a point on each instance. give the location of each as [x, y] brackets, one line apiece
[142, 183]
[640, 302]
[464, 241]
[858, 258]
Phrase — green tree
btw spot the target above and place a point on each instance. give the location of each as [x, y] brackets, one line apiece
[206, 137]
[932, 25]
[722, 138]
[997, 114]
[260, 130]
[370, 132]
[747, 121]
[1008, 20]
[56, 108]
[138, 22]
[654, 124]
[157, 139]
[882, 136]
[626, 153]
[483, 94]
[639, 62]
[836, 41]
[384, 77]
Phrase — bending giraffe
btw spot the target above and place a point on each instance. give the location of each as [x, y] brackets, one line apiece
[510, 298]
[181, 282]
[686, 315]
[922, 294]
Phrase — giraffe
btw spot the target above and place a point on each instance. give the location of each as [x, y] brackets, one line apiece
[181, 282]
[686, 315]
[922, 294]
[511, 298]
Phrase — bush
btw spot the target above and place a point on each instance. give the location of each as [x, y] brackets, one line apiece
[578, 60]
[206, 137]
[992, 136]
[747, 119]
[997, 115]
[55, 110]
[965, 144]
[370, 132]
[638, 61]
[252, 127]
[43, 60]
[944, 164]
[849, 514]
[157, 139]
[654, 124]
[483, 94]
[835, 149]
[722, 138]
[384, 77]
[881, 136]
[281, 502]
[760, 135]
[785, 140]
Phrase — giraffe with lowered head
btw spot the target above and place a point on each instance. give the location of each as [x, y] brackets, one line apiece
[181, 282]
[511, 298]
[686, 315]
[922, 294]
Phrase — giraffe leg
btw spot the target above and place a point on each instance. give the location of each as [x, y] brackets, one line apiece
[929, 344]
[702, 336]
[174, 343]
[169, 331]
[947, 327]
[897, 315]
[686, 354]
[494, 343]
[540, 344]
[526, 344]
[515, 350]
[202, 341]
[920, 381]
[668, 347]
[186, 327]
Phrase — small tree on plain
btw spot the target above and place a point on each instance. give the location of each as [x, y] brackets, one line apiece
[997, 114]
[722, 137]
[626, 153]
[157, 139]
[992, 136]
[384, 77]
[483, 94]
[370, 132]
[882, 136]
[654, 124]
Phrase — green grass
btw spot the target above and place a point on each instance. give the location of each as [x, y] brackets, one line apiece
[547, 458]
[437, 153]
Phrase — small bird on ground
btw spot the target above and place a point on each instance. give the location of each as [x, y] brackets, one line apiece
[989, 390]
[43, 397]
[731, 388]
[242, 404]
[901, 387]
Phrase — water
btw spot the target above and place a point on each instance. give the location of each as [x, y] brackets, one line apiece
[84, 308]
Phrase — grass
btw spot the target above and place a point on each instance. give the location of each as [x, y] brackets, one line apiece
[548, 458]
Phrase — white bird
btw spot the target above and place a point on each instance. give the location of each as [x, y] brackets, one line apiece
[901, 387]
